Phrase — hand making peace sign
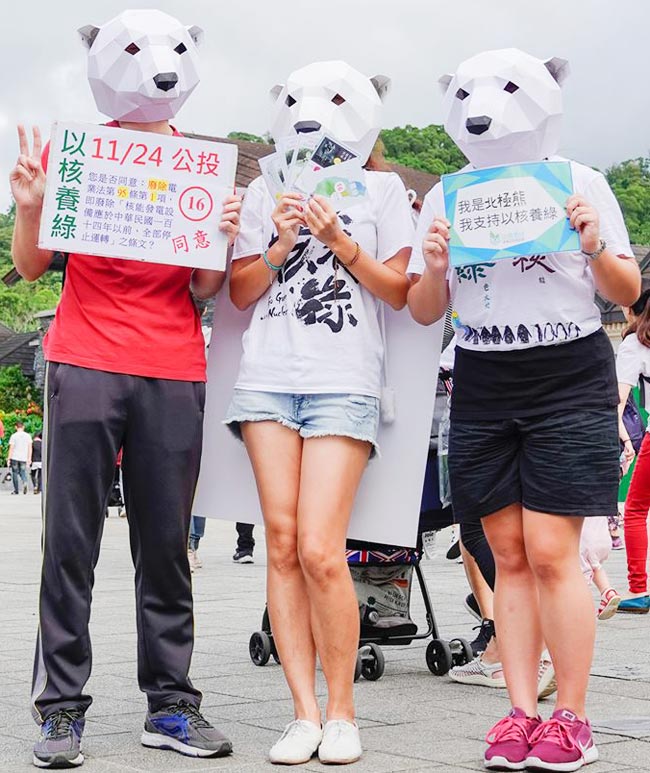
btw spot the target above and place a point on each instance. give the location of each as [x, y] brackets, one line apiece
[27, 178]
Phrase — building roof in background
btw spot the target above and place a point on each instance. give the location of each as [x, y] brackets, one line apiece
[18, 349]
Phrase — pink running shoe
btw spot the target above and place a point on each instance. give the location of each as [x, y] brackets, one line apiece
[564, 743]
[508, 741]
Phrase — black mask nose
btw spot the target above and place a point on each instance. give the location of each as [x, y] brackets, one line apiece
[479, 124]
[165, 80]
[302, 127]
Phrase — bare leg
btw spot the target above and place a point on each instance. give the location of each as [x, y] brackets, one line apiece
[516, 607]
[331, 471]
[601, 580]
[565, 604]
[274, 448]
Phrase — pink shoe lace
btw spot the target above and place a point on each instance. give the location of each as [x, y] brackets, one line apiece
[508, 729]
[555, 731]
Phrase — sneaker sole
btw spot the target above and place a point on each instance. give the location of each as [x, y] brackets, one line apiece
[501, 763]
[483, 681]
[535, 763]
[58, 762]
[301, 761]
[156, 741]
[245, 560]
[636, 611]
[609, 610]
[340, 760]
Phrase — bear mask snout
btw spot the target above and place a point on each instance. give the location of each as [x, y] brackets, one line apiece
[478, 124]
[303, 127]
[165, 81]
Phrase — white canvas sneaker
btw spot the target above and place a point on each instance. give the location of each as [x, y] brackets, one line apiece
[341, 743]
[195, 561]
[297, 744]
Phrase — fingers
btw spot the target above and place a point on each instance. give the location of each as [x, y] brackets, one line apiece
[230, 217]
[436, 243]
[22, 140]
[20, 171]
[38, 144]
[440, 226]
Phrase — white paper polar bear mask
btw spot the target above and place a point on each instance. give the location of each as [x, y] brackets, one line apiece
[334, 98]
[142, 65]
[505, 107]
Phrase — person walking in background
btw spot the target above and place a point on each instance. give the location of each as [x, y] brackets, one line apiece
[19, 456]
[36, 470]
[632, 366]
[197, 532]
[595, 547]
[245, 544]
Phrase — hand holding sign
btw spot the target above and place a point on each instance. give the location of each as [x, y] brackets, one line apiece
[435, 246]
[27, 178]
[584, 218]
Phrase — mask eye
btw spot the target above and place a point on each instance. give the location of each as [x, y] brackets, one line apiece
[289, 101]
[132, 49]
[511, 87]
[462, 94]
[181, 48]
[338, 99]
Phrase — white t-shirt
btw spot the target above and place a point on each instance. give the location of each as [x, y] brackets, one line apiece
[306, 336]
[632, 362]
[21, 442]
[528, 301]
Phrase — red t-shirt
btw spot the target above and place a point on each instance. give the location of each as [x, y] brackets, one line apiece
[126, 316]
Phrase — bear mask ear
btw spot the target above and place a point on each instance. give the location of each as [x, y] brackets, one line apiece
[88, 34]
[196, 33]
[381, 84]
[444, 81]
[276, 91]
[559, 69]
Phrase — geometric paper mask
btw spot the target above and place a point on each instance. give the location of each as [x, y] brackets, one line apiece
[505, 107]
[334, 98]
[142, 65]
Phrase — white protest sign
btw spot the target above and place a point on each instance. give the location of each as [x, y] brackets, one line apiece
[387, 508]
[136, 195]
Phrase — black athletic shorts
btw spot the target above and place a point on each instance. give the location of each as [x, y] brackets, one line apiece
[563, 463]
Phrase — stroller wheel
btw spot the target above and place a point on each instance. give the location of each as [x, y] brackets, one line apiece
[461, 652]
[373, 662]
[259, 648]
[358, 667]
[439, 658]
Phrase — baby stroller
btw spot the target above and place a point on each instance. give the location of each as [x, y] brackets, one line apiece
[383, 579]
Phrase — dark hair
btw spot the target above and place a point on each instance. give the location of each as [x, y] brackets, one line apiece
[19, 424]
[641, 325]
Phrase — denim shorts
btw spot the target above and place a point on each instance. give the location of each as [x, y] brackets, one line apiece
[563, 463]
[318, 415]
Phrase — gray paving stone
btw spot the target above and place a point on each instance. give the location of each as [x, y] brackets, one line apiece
[410, 720]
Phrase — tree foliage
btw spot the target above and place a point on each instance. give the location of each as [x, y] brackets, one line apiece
[430, 149]
[630, 182]
[19, 303]
[16, 391]
[246, 137]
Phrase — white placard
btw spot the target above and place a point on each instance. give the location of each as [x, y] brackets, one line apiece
[388, 504]
[137, 195]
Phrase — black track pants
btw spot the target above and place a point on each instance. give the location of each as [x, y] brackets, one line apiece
[90, 415]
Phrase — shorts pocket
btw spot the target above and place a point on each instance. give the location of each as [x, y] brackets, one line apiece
[358, 407]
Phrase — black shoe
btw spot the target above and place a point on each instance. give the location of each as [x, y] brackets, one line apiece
[182, 728]
[485, 634]
[471, 605]
[243, 557]
[59, 745]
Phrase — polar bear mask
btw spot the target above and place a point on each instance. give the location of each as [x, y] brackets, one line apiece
[142, 65]
[505, 107]
[334, 98]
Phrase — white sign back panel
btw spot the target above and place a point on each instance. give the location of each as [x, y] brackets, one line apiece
[388, 504]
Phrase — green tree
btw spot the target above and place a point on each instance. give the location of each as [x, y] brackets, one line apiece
[20, 302]
[246, 137]
[16, 391]
[630, 181]
[430, 149]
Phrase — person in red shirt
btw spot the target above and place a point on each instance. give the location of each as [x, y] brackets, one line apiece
[126, 369]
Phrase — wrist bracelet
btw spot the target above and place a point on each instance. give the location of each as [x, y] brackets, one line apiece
[268, 262]
[357, 253]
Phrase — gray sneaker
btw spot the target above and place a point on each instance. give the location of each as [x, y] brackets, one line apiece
[182, 728]
[59, 745]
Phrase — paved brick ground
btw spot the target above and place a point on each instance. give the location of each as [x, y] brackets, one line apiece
[411, 720]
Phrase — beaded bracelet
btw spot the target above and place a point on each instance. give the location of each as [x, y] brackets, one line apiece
[268, 262]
